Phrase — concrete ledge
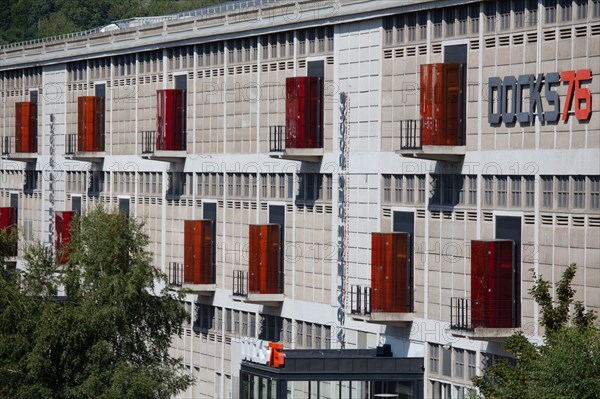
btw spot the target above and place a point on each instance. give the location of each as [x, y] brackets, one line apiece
[201, 289]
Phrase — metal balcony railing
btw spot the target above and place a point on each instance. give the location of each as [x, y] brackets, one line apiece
[460, 313]
[240, 283]
[175, 274]
[277, 138]
[6, 145]
[360, 300]
[71, 144]
[148, 141]
[410, 137]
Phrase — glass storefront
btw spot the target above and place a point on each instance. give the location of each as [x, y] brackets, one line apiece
[264, 387]
[333, 374]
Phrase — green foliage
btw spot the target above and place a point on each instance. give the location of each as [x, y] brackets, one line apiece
[109, 336]
[30, 19]
[566, 366]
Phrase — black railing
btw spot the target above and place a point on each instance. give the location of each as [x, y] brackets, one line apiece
[410, 137]
[460, 313]
[360, 300]
[148, 141]
[240, 283]
[175, 274]
[6, 145]
[71, 144]
[277, 138]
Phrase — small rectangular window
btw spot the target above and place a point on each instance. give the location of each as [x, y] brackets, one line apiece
[398, 188]
[459, 363]
[501, 182]
[579, 192]
[515, 191]
[472, 190]
[547, 192]
[595, 192]
[549, 11]
[563, 191]
[421, 180]
[488, 190]
[387, 187]
[434, 358]
[471, 364]
[529, 191]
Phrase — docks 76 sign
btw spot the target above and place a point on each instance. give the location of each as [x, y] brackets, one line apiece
[505, 97]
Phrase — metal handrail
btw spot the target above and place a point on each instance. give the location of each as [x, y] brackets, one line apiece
[460, 313]
[240, 283]
[71, 144]
[277, 138]
[410, 135]
[148, 141]
[175, 274]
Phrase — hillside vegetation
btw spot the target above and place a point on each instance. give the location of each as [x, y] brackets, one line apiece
[30, 19]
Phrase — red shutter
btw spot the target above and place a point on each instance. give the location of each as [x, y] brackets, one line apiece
[263, 266]
[7, 218]
[197, 254]
[8, 222]
[391, 272]
[170, 120]
[377, 272]
[304, 112]
[63, 235]
[188, 251]
[254, 258]
[18, 126]
[89, 119]
[25, 127]
[492, 286]
[440, 96]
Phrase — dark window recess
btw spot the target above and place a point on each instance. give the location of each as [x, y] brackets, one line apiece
[33, 96]
[316, 69]
[205, 318]
[31, 181]
[210, 213]
[96, 183]
[124, 207]
[76, 204]
[509, 228]
[271, 328]
[277, 216]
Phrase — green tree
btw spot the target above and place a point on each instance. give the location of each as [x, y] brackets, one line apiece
[107, 335]
[566, 366]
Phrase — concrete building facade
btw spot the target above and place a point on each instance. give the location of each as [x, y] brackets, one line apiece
[516, 160]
